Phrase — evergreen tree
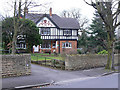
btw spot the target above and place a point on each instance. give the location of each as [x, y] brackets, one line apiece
[98, 34]
[83, 42]
[29, 29]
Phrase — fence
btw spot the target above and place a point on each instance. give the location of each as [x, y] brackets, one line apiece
[46, 61]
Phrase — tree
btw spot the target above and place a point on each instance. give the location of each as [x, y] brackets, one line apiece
[7, 32]
[32, 34]
[75, 13]
[83, 42]
[109, 10]
[98, 32]
[29, 29]
[20, 8]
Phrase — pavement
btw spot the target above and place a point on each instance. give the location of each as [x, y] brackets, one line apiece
[42, 75]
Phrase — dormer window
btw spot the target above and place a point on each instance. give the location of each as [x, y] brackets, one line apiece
[45, 31]
[67, 32]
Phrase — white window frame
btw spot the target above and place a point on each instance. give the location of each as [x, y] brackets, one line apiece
[67, 34]
[22, 46]
[47, 31]
[69, 45]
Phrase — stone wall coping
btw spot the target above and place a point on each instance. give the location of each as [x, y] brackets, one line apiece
[17, 55]
[90, 55]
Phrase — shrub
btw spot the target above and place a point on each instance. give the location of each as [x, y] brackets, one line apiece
[103, 52]
[79, 51]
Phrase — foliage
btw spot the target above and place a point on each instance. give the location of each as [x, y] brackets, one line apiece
[94, 39]
[7, 32]
[109, 13]
[83, 42]
[117, 45]
[32, 34]
[103, 52]
[79, 51]
[98, 38]
[29, 29]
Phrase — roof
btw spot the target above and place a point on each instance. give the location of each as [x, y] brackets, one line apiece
[62, 23]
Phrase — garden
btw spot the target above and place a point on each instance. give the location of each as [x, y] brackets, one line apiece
[45, 59]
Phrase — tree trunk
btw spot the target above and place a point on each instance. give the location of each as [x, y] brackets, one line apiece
[113, 68]
[16, 26]
[110, 61]
[15, 32]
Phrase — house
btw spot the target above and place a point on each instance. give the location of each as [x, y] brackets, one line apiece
[59, 34]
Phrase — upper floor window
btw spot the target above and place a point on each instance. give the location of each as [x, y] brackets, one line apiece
[45, 31]
[67, 32]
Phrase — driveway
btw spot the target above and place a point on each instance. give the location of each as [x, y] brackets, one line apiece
[42, 74]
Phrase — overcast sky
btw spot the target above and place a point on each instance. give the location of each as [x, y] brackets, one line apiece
[57, 6]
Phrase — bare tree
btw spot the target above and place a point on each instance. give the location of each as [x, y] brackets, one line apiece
[75, 13]
[109, 10]
[21, 8]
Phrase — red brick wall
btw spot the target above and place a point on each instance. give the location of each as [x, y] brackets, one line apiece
[63, 50]
[67, 50]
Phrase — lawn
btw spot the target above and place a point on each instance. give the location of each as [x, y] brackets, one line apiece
[40, 57]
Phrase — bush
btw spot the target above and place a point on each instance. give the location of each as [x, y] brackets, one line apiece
[103, 52]
[79, 51]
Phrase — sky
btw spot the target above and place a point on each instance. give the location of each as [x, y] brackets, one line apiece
[57, 7]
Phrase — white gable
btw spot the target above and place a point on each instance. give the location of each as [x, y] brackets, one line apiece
[45, 22]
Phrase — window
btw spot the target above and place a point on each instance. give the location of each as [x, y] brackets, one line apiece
[66, 45]
[46, 45]
[67, 32]
[21, 45]
[45, 31]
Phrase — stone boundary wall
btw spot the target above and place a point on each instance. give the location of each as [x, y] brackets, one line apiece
[16, 65]
[75, 62]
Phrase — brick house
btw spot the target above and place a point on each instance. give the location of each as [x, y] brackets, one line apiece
[59, 34]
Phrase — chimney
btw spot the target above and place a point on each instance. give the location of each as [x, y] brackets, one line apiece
[51, 12]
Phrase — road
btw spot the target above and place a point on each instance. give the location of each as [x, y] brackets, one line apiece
[109, 81]
[42, 74]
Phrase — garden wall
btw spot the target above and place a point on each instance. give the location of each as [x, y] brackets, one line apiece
[16, 65]
[87, 61]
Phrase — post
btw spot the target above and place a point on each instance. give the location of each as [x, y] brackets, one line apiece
[37, 58]
[45, 61]
[54, 62]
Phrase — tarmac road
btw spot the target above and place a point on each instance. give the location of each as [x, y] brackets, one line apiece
[109, 81]
[42, 74]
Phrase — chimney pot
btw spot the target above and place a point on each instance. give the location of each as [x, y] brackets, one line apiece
[50, 11]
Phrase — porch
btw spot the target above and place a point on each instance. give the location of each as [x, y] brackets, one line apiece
[48, 46]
